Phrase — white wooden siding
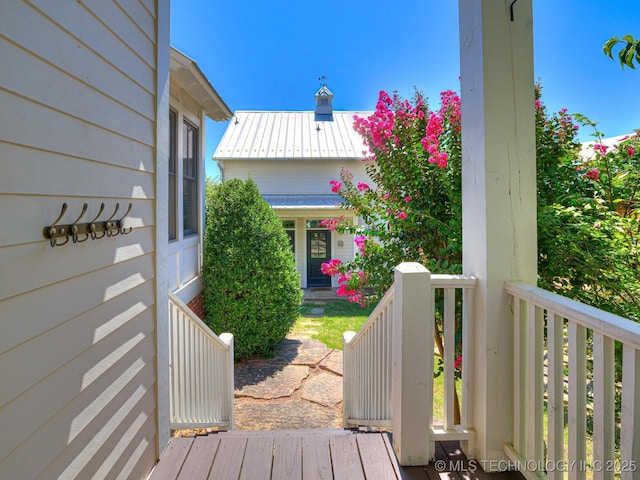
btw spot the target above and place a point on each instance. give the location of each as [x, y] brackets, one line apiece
[293, 177]
[78, 343]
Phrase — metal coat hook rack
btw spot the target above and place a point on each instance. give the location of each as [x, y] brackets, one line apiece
[60, 234]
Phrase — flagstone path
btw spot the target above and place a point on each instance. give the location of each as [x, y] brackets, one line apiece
[300, 388]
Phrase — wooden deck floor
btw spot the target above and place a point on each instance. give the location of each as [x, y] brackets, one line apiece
[306, 454]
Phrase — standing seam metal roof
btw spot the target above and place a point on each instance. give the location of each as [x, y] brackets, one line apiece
[259, 135]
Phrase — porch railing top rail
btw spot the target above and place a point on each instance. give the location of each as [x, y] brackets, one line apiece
[205, 329]
[373, 317]
[445, 280]
[608, 324]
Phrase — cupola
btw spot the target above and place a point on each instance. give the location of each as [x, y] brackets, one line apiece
[324, 104]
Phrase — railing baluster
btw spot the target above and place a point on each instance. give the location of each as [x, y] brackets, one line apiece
[519, 341]
[630, 415]
[577, 399]
[555, 393]
[449, 322]
[603, 406]
[468, 333]
[535, 390]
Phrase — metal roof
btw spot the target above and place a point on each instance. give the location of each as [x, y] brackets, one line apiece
[259, 135]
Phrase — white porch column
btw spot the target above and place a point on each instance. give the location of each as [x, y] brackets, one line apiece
[498, 197]
[412, 364]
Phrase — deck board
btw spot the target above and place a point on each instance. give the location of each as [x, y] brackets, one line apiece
[198, 462]
[229, 458]
[173, 457]
[287, 458]
[316, 458]
[375, 458]
[260, 453]
[308, 454]
[345, 458]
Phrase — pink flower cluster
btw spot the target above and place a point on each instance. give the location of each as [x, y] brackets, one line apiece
[457, 363]
[391, 114]
[335, 186]
[449, 110]
[593, 174]
[599, 147]
[331, 268]
[330, 223]
[359, 240]
[362, 187]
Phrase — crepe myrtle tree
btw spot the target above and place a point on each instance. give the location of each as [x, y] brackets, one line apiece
[412, 210]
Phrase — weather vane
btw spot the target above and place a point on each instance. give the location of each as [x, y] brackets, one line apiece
[323, 79]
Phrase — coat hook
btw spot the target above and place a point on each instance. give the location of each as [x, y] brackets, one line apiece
[109, 225]
[92, 224]
[52, 231]
[511, 9]
[74, 226]
[120, 223]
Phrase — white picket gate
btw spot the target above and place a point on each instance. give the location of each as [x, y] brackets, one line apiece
[201, 372]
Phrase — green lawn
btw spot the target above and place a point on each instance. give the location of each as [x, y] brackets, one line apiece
[337, 317]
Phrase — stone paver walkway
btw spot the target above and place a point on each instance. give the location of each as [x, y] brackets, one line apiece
[301, 387]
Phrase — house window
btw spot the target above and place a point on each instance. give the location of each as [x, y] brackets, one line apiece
[189, 179]
[314, 224]
[290, 228]
[173, 185]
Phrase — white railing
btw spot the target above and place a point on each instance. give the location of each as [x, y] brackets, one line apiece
[366, 377]
[564, 367]
[201, 372]
[376, 384]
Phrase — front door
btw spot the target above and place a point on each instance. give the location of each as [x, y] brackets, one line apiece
[318, 252]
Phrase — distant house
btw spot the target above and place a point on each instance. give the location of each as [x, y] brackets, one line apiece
[192, 98]
[292, 157]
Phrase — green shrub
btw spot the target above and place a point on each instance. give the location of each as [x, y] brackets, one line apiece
[252, 288]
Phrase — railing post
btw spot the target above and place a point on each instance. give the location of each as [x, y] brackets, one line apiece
[347, 380]
[412, 365]
[227, 338]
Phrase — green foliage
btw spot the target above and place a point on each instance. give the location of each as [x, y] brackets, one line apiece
[588, 216]
[588, 224]
[252, 288]
[629, 53]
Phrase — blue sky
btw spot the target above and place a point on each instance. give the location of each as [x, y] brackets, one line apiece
[268, 55]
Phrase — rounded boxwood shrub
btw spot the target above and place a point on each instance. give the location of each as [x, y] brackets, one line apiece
[252, 288]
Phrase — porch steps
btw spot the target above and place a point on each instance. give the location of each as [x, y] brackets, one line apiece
[306, 454]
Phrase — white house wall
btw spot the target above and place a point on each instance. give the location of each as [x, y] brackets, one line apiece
[293, 176]
[78, 344]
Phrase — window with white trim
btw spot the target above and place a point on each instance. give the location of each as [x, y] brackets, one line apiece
[173, 180]
[189, 179]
